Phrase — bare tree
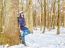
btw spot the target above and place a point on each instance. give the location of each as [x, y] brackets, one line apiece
[29, 15]
[1, 15]
[34, 18]
[58, 20]
[48, 15]
[20, 5]
[64, 13]
[44, 15]
[53, 15]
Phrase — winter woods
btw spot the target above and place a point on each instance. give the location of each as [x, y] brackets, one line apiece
[38, 13]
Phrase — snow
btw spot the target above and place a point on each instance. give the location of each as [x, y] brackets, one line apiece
[1, 46]
[49, 39]
[39, 40]
[42, 40]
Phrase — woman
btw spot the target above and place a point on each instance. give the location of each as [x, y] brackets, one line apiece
[22, 24]
[21, 20]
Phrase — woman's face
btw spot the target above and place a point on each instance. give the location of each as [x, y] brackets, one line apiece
[22, 15]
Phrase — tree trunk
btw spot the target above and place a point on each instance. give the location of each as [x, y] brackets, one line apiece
[64, 13]
[44, 15]
[34, 18]
[30, 16]
[58, 20]
[53, 15]
[48, 16]
[10, 23]
[1, 15]
[20, 5]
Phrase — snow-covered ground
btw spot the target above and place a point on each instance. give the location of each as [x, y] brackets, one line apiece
[43, 40]
[39, 40]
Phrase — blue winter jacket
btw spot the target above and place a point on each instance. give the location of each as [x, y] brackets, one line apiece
[21, 22]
